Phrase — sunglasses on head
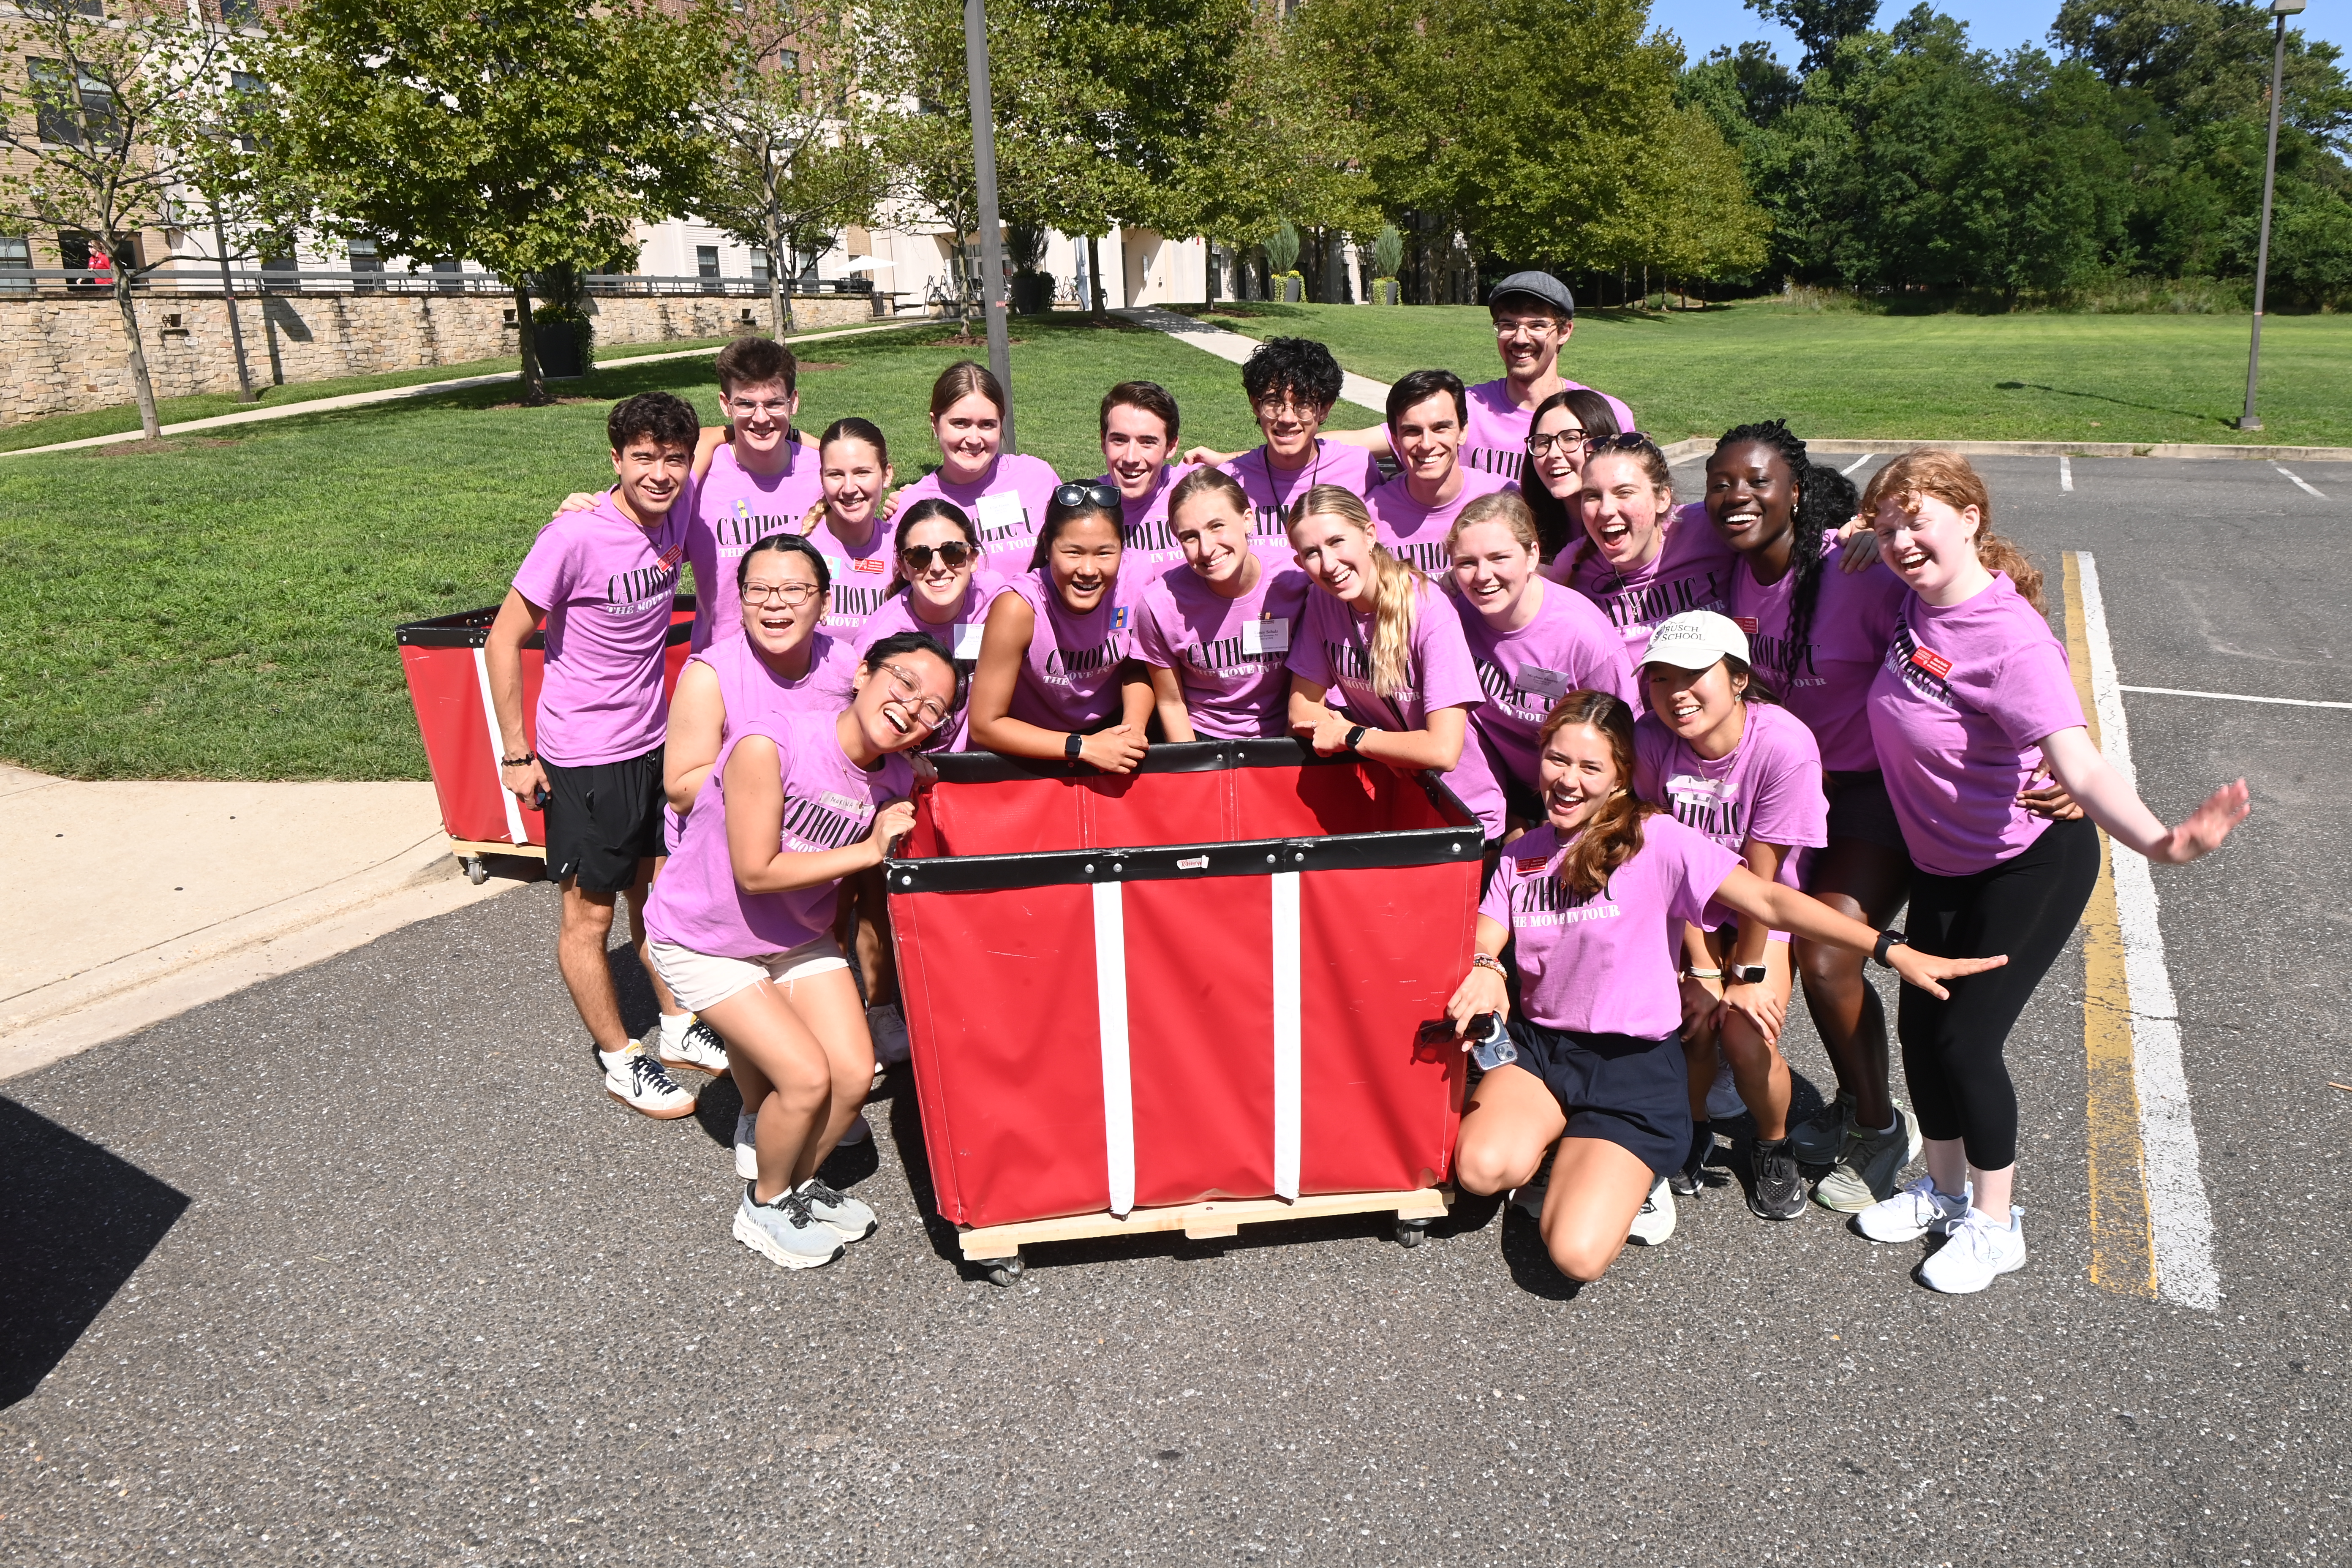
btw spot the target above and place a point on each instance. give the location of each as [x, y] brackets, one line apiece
[1623, 441]
[1075, 494]
[955, 555]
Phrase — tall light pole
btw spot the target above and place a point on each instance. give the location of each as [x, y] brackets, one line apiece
[2282, 9]
[991, 242]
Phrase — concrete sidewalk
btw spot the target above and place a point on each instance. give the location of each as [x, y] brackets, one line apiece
[137, 901]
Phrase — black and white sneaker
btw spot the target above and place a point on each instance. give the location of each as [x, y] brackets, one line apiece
[696, 1046]
[1685, 1183]
[1780, 1190]
[638, 1081]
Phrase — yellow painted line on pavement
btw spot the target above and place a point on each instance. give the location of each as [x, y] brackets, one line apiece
[2123, 1244]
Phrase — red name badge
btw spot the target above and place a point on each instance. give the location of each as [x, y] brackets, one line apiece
[1528, 868]
[1934, 663]
[871, 564]
[1747, 624]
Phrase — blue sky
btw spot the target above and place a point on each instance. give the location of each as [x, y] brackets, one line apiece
[1999, 24]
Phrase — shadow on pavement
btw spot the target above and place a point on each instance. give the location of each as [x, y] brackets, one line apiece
[77, 1223]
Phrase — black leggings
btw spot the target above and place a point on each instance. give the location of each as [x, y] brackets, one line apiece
[2026, 907]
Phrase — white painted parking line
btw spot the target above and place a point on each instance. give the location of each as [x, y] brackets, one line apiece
[2233, 697]
[1848, 470]
[2065, 476]
[2180, 1217]
[2298, 484]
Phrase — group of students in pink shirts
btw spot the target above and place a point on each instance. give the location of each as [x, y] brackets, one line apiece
[1711, 746]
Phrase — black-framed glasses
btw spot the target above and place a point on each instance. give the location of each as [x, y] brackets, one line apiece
[1076, 494]
[1623, 441]
[1538, 444]
[954, 555]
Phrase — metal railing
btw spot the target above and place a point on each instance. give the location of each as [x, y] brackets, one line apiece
[204, 278]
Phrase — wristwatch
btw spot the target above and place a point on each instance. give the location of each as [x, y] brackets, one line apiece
[1743, 974]
[1073, 745]
[1355, 735]
[1889, 939]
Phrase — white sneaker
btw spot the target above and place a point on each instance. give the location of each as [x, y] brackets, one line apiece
[1656, 1220]
[1977, 1250]
[746, 1156]
[638, 1081]
[857, 1132]
[687, 1042]
[888, 1026]
[1723, 1101]
[1911, 1213]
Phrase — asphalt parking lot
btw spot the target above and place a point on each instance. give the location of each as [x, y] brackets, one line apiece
[359, 1265]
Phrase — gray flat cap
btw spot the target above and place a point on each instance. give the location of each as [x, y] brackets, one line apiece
[1538, 285]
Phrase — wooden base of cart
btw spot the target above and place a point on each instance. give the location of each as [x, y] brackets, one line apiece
[469, 853]
[998, 1247]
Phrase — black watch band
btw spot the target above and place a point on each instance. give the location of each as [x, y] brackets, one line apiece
[1073, 745]
[1888, 940]
[1355, 735]
[1744, 974]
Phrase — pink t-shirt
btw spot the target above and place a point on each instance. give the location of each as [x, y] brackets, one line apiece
[860, 575]
[1228, 654]
[607, 587]
[1692, 571]
[1606, 965]
[1070, 676]
[1958, 710]
[960, 636]
[1769, 788]
[749, 693]
[1007, 507]
[1333, 650]
[1569, 646]
[1494, 441]
[1151, 548]
[1827, 682]
[1274, 490]
[733, 511]
[1415, 532]
[829, 801]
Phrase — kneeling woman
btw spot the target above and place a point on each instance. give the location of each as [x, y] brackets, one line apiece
[1594, 897]
[1056, 679]
[741, 919]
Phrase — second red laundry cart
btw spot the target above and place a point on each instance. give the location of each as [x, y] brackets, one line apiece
[1189, 998]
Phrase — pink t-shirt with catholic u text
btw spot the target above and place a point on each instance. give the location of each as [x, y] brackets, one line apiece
[1767, 788]
[1272, 489]
[1007, 507]
[1228, 654]
[1332, 649]
[960, 636]
[1826, 683]
[607, 587]
[1417, 533]
[749, 693]
[1958, 711]
[860, 575]
[1606, 965]
[1070, 676]
[1569, 646]
[1692, 570]
[733, 511]
[1151, 549]
[829, 801]
[1494, 440]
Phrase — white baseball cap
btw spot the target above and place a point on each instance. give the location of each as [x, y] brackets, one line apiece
[1695, 639]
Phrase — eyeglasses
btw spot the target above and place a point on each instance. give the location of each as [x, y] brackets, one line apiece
[955, 555]
[792, 595]
[1075, 494]
[1537, 444]
[1534, 329]
[928, 712]
[1289, 408]
[1623, 441]
[747, 406]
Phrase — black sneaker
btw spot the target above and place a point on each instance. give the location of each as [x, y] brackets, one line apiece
[1780, 1190]
[1685, 1183]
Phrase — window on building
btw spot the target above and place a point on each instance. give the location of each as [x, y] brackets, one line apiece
[760, 268]
[247, 91]
[788, 59]
[706, 261]
[15, 257]
[448, 283]
[71, 110]
[366, 262]
[241, 12]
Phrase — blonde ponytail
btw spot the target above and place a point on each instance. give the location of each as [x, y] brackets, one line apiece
[1396, 597]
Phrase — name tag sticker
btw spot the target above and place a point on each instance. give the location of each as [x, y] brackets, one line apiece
[1529, 866]
[1543, 682]
[1265, 636]
[1934, 663]
[967, 638]
[1747, 624]
[1003, 516]
[871, 564]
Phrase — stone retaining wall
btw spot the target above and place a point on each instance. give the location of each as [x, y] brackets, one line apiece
[66, 356]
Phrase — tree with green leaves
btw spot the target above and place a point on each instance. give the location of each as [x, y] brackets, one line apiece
[528, 136]
[1821, 26]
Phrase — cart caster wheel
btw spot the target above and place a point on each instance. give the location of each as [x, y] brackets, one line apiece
[1412, 1232]
[475, 872]
[1006, 1271]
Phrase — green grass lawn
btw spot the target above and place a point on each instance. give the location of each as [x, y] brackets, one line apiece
[2027, 377]
[224, 608]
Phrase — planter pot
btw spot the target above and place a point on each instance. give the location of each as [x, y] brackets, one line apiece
[1385, 291]
[563, 350]
[1032, 293]
[1293, 288]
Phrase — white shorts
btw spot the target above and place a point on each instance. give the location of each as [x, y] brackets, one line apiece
[700, 980]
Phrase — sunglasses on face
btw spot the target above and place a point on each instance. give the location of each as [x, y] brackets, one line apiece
[1075, 494]
[955, 555]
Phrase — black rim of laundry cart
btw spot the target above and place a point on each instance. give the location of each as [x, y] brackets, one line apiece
[472, 628]
[1181, 862]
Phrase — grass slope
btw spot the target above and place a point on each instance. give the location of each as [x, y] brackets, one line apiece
[2029, 377]
[224, 608]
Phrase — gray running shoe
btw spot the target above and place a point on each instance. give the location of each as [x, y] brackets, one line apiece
[1816, 1142]
[1868, 1167]
[1780, 1190]
[784, 1232]
[852, 1220]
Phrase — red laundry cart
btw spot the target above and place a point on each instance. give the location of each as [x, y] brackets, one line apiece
[449, 684]
[1189, 998]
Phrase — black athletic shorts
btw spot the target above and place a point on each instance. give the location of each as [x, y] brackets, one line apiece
[1859, 808]
[1632, 1091]
[604, 819]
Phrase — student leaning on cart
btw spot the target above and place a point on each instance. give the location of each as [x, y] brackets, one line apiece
[1215, 628]
[604, 578]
